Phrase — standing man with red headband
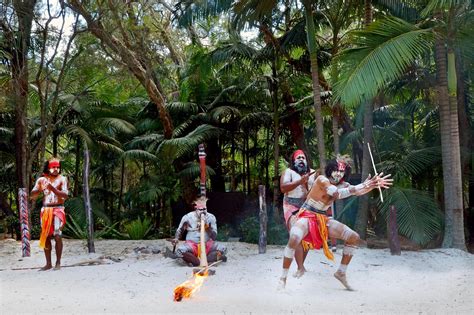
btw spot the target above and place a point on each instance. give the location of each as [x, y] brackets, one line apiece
[55, 191]
[295, 182]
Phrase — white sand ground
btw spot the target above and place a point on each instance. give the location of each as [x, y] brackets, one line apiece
[424, 282]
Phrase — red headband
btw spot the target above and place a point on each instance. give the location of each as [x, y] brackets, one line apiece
[53, 163]
[296, 153]
[341, 166]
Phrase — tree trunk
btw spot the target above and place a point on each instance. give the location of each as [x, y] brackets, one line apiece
[233, 181]
[459, 240]
[363, 209]
[132, 60]
[77, 167]
[367, 12]
[247, 158]
[293, 121]
[122, 182]
[276, 142]
[87, 204]
[20, 44]
[450, 153]
[312, 48]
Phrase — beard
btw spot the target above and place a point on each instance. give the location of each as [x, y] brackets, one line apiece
[300, 167]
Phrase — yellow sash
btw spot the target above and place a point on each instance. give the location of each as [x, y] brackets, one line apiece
[46, 222]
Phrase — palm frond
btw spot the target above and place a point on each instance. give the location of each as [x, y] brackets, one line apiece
[107, 146]
[189, 11]
[118, 124]
[177, 147]
[418, 215]
[383, 52]
[182, 108]
[256, 119]
[440, 5]
[78, 131]
[413, 163]
[192, 171]
[6, 132]
[406, 10]
[145, 140]
[224, 113]
[250, 11]
[140, 155]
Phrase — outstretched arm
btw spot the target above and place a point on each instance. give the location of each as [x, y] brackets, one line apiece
[361, 189]
[371, 183]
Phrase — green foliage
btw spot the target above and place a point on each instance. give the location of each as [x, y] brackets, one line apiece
[250, 230]
[224, 232]
[418, 215]
[76, 222]
[383, 52]
[79, 230]
[138, 229]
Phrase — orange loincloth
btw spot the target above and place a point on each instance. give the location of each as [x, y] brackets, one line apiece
[47, 222]
[318, 232]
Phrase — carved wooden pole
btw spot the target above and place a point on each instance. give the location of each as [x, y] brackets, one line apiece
[25, 230]
[202, 165]
[262, 240]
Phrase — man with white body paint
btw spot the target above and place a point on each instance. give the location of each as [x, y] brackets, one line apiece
[313, 225]
[295, 183]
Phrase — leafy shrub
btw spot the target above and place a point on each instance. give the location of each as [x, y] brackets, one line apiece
[224, 232]
[276, 232]
[79, 230]
[138, 229]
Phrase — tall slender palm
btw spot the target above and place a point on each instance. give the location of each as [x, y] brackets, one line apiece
[384, 51]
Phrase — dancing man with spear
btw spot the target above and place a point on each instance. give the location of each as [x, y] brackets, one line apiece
[313, 225]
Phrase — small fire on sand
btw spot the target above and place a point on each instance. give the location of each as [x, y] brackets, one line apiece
[189, 287]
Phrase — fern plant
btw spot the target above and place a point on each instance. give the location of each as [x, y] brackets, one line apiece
[138, 229]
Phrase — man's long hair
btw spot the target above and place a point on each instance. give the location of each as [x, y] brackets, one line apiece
[332, 166]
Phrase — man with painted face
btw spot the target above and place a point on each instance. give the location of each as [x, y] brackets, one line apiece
[295, 182]
[53, 218]
[189, 229]
[313, 225]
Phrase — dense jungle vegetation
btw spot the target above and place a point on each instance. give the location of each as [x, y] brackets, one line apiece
[138, 85]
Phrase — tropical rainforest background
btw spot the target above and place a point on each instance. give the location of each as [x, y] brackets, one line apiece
[137, 85]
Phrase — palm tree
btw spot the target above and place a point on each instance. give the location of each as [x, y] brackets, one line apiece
[383, 52]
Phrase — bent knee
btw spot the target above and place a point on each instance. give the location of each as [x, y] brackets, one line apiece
[353, 239]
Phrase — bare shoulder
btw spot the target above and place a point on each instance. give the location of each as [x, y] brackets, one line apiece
[323, 180]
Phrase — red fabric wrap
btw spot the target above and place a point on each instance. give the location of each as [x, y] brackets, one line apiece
[313, 236]
[194, 246]
[57, 212]
[296, 153]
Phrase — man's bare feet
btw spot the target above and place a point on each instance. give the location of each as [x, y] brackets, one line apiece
[299, 273]
[47, 267]
[57, 267]
[281, 284]
[342, 278]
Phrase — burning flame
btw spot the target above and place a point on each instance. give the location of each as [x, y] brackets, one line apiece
[189, 287]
